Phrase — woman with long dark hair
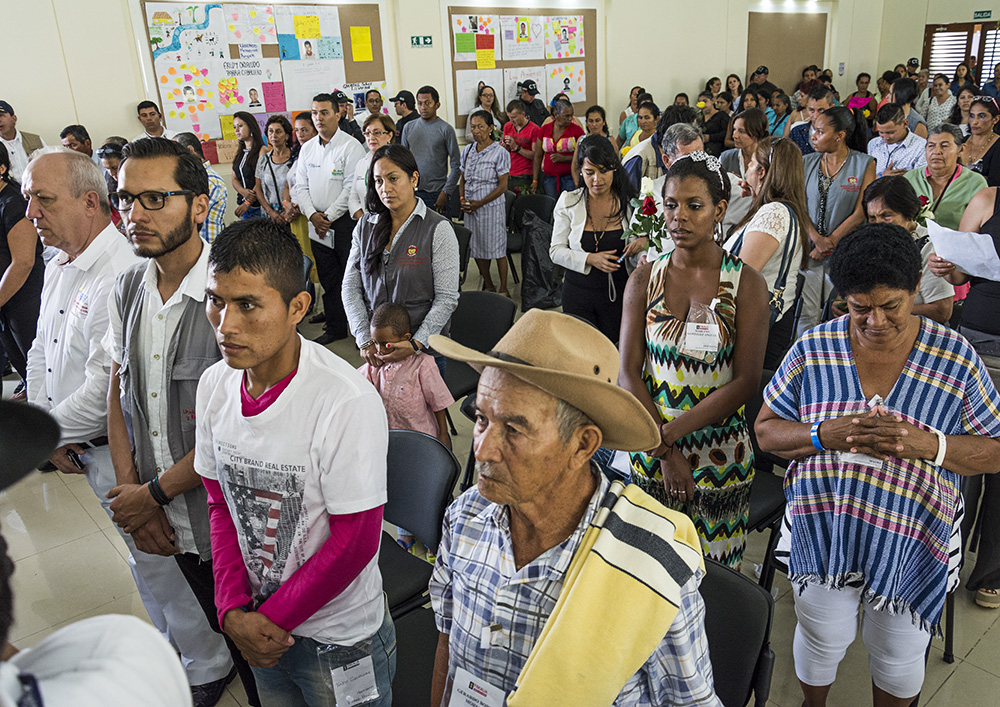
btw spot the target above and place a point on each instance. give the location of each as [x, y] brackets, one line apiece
[21, 271]
[245, 164]
[401, 252]
[963, 104]
[588, 237]
[272, 171]
[734, 87]
[981, 151]
[962, 79]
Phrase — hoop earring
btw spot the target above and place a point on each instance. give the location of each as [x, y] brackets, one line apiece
[718, 231]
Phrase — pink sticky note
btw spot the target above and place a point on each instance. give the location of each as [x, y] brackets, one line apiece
[274, 96]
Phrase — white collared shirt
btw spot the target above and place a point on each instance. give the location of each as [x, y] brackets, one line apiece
[18, 156]
[158, 323]
[168, 134]
[68, 366]
[321, 178]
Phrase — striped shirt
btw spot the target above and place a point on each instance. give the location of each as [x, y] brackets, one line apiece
[476, 585]
[887, 529]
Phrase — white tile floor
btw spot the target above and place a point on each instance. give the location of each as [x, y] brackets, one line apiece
[71, 564]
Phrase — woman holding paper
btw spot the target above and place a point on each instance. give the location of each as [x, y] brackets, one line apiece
[945, 184]
[981, 327]
[692, 351]
[881, 413]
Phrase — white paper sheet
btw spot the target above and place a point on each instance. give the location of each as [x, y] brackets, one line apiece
[973, 253]
[467, 86]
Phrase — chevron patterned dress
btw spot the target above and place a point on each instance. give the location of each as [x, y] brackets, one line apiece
[720, 454]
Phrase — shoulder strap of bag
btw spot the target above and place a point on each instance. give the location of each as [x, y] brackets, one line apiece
[270, 167]
[786, 255]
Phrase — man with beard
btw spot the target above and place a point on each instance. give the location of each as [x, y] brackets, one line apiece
[160, 343]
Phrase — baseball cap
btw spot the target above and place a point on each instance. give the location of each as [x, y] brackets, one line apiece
[5, 107]
[530, 86]
[914, 62]
[404, 96]
[341, 97]
[761, 70]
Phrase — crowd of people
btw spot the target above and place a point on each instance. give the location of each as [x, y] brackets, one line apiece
[754, 232]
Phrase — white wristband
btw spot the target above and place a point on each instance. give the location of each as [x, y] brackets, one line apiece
[942, 447]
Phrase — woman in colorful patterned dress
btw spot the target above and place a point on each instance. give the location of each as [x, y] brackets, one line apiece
[692, 343]
[881, 411]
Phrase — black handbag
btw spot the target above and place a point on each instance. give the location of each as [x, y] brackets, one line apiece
[777, 303]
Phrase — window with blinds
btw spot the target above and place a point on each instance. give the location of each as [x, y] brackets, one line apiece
[990, 56]
[947, 46]
[948, 50]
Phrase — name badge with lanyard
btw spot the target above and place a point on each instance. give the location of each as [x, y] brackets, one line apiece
[702, 337]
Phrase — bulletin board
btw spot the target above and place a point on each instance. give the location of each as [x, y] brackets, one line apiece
[211, 60]
[501, 46]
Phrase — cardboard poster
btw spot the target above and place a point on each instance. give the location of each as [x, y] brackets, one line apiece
[522, 37]
[464, 29]
[568, 78]
[564, 37]
[305, 79]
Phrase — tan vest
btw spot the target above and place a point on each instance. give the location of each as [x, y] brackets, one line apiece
[30, 142]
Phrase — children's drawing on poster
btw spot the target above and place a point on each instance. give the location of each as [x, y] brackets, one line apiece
[250, 23]
[512, 77]
[179, 32]
[308, 33]
[522, 37]
[568, 78]
[465, 29]
[564, 37]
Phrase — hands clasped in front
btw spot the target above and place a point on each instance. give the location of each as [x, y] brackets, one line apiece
[879, 433]
[259, 639]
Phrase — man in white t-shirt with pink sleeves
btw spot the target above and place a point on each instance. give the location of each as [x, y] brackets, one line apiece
[292, 449]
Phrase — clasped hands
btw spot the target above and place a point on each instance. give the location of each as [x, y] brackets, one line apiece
[879, 433]
[259, 639]
[136, 513]
[678, 476]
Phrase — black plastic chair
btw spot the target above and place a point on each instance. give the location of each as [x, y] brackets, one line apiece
[468, 409]
[542, 205]
[416, 645]
[738, 615]
[479, 322]
[422, 474]
[464, 237]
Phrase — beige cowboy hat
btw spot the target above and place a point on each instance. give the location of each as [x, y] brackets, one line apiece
[573, 361]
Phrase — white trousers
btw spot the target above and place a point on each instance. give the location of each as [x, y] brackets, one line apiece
[827, 626]
[169, 600]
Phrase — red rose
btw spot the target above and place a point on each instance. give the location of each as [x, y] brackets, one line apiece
[648, 206]
[924, 201]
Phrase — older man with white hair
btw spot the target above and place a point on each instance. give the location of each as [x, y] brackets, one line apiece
[532, 560]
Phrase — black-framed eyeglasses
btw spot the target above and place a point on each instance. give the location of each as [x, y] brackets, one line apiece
[150, 200]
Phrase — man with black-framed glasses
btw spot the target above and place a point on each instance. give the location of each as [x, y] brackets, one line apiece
[160, 343]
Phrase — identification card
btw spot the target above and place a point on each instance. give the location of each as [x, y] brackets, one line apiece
[354, 683]
[862, 459]
[701, 336]
[469, 691]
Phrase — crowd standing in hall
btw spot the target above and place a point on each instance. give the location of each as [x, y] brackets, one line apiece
[702, 241]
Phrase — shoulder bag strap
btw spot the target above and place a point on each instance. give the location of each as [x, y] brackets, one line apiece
[786, 255]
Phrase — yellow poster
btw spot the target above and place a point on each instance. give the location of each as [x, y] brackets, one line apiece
[306, 26]
[361, 44]
[486, 59]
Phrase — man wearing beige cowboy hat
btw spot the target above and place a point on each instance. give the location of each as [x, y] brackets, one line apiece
[531, 561]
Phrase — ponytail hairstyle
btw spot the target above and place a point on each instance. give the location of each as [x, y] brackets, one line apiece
[852, 123]
[400, 156]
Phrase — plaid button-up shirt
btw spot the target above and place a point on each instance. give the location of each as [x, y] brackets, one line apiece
[476, 585]
[217, 196]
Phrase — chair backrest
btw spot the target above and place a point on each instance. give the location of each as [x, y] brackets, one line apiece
[763, 460]
[481, 319]
[509, 199]
[541, 204]
[464, 236]
[422, 474]
[738, 614]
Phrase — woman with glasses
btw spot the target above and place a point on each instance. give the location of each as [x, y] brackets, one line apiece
[271, 185]
[981, 151]
[486, 101]
[378, 130]
[485, 166]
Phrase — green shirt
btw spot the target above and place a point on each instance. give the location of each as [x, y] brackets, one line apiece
[957, 194]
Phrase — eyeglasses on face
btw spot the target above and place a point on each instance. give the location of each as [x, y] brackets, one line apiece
[375, 133]
[150, 200]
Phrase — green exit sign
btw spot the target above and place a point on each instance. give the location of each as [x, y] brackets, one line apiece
[982, 14]
[421, 41]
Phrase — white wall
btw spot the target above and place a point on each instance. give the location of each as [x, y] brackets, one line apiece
[904, 21]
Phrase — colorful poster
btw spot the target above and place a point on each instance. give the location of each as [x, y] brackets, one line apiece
[511, 77]
[358, 92]
[485, 54]
[242, 89]
[361, 44]
[330, 48]
[306, 26]
[189, 99]
[274, 96]
[249, 23]
[288, 47]
[465, 28]
[186, 33]
[564, 37]
[522, 37]
[467, 87]
[568, 78]
[228, 130]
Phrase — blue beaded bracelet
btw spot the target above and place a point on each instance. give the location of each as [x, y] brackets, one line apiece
[814, 433]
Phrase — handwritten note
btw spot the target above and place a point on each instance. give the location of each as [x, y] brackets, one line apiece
[465, 43]
[227, 150]
[274, 96]
[306, 26]
[210, 151]
[361, 44]
[228, 131]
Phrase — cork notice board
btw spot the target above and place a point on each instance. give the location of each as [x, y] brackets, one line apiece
[543, 44]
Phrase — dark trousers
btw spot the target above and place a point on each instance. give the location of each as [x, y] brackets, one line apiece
[331, 262]
[983, 492]
[596, 306]
[199, 575]
[452, 208]
[19, 320]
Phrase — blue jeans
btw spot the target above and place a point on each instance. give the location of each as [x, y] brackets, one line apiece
[555, 185]
[302, 679]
